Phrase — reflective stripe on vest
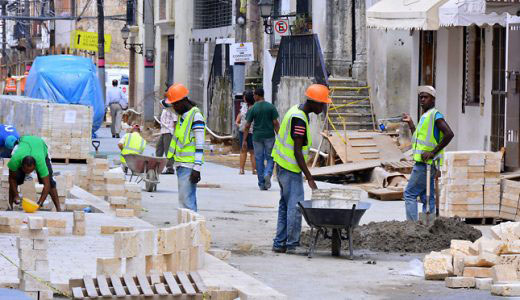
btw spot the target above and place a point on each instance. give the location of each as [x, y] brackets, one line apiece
[10, 85]
[130, 145]
[423, 139]
[182, 146]
[283, 151]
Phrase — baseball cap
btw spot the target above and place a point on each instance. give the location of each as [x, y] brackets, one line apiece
[10, 141]
[427, 89]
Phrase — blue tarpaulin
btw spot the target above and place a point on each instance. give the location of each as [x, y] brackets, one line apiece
[67, 79]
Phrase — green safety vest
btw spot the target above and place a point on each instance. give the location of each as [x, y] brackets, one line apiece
[423, 139]
[283, 151]
[182, 147]
[134, 144]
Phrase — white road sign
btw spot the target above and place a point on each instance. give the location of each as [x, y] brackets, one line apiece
[241, 53]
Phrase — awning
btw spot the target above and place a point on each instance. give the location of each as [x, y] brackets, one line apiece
[468, 12]
[405, 14]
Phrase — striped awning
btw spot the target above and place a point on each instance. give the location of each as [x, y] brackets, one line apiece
[405, 14]
[469, 12]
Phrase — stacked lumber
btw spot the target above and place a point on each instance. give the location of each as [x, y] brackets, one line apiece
[66, 128]
[488, 263]
[470, 184]
[509, 208]
[96, 176]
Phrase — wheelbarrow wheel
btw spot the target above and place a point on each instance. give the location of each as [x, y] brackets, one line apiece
[152, 176]
[336, 242]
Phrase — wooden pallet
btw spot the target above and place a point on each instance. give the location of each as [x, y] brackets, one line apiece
[67, 161]
[385, 194]
[181, 285]
[404, 167]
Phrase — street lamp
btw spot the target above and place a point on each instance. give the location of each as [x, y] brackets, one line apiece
[125, 34]
[266, 8]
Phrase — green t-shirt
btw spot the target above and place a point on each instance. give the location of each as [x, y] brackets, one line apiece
[30, 146]
[262, 115]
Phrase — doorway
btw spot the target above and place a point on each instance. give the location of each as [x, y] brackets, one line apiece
[498, 92]
[512, 160]
[427, 59]
[171, 49]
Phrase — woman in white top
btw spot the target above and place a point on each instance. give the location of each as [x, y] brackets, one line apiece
[241, 123]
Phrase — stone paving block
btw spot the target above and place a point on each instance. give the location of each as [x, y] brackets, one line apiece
[184, 260]
[166, 240]
[55, 223]
[24, 243]
[33, 234]
[172, 261]
[56, 231]
[124, 212]
[182, 236]
[108, 266]
[511, 247]
[126, 244]
[477, 272]
[437, 266]
[156, 263]
[135, 265]
[504, 273]
[79, 216]
[483, 283]
[41, 265]
[509, 259]
[196, 258]
[29, 284]
[108, 229]
[459, 282]
[146, 242]
[118, 200]
[40, 244]
[226, 254]
[506, 289]
[460, 246]
[491, 246]
[35, 222]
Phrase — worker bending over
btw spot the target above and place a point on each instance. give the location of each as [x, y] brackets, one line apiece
[31, 154]
[8, 138]
[430, 138]
[290, 152]
[131, 143]
[187, 145]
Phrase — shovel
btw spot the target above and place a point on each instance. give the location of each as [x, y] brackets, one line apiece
[425, 218]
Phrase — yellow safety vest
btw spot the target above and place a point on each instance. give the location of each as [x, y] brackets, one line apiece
[134, 144]
[423, 139]
[283, 151]
[182, 146]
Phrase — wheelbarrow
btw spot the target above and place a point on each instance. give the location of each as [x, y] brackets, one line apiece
[146, 168]
[331, 222]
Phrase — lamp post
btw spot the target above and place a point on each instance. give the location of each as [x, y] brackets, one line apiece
[135, 47]
[266, 8]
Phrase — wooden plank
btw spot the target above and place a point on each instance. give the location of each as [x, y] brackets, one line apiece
[369, 151]
[155, 278]
[77, 293]
[161, 289]
[130, 284]
[118, 287]
[145, 285]
[345, 168]
[199, 283]
[186, 283]
[172, 283]
[89, 285]
[103, 286]
[385, 194]
[363, 145]
[371, 157]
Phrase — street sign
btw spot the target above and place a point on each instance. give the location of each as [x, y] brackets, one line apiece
[241, 53]
[281, 27]
[85, 40]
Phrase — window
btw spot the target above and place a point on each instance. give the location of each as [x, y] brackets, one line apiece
[212, 13]
[473, 64]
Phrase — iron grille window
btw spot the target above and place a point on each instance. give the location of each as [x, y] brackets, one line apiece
[212, 13]
[473, 63]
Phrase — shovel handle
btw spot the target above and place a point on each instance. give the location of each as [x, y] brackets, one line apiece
[428, 177]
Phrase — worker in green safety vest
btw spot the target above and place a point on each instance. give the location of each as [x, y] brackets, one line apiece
[429, 139]
[187, 144]
[131, 143]
[290, 152]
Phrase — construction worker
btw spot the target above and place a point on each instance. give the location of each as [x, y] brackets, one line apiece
[23, 81]
[10, 85]
[8, 138]
[131, 143]
[187, 145]
[290, 152]
[30, 154]
[167, 120]
[430, 138]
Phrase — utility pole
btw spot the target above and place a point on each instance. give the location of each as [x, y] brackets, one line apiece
[130, 21]
[52, 23]
[101, 46]
[4, 39]
[149, 62]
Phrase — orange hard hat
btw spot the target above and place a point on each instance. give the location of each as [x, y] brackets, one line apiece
[318, 93]
[176, 92]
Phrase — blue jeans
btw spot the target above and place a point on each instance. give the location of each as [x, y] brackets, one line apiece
[187, 190]
[289, 224]
[417, 188]
[263, 151]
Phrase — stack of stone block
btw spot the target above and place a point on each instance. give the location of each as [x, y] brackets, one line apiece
[96, 179]
[509, 207]
[78, 227]
[177, 248]
[10, 224]
[487, 263]
[470, 186]
[115, 182]
[33, 270]
[133, 195]
[56, 227]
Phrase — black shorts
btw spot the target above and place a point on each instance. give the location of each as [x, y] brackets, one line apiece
[20, 175]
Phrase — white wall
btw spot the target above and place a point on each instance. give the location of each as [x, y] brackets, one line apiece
[183, 27]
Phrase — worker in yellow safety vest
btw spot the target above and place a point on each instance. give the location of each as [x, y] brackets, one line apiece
[23, 81]
[10, 85]
[131, 143]
[187, 144]
[290, 152]
[429, 139]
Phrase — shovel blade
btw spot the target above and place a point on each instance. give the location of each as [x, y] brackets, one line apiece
[426, 218]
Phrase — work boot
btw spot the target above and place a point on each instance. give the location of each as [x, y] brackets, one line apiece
[169, 172]
[279, 250]
[267, 183]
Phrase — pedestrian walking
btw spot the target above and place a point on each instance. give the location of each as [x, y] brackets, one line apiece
[241, 121]
[291, 153]
[168, 120]
[187, 145]
[429, 139]
[116, 101]
[264, 118]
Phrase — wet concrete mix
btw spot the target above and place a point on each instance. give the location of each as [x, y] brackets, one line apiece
[404, 236]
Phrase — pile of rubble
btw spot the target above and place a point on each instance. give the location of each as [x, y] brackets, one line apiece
[488, 263]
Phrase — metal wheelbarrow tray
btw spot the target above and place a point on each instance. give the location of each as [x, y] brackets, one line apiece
[335, 219]
[146, 168]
